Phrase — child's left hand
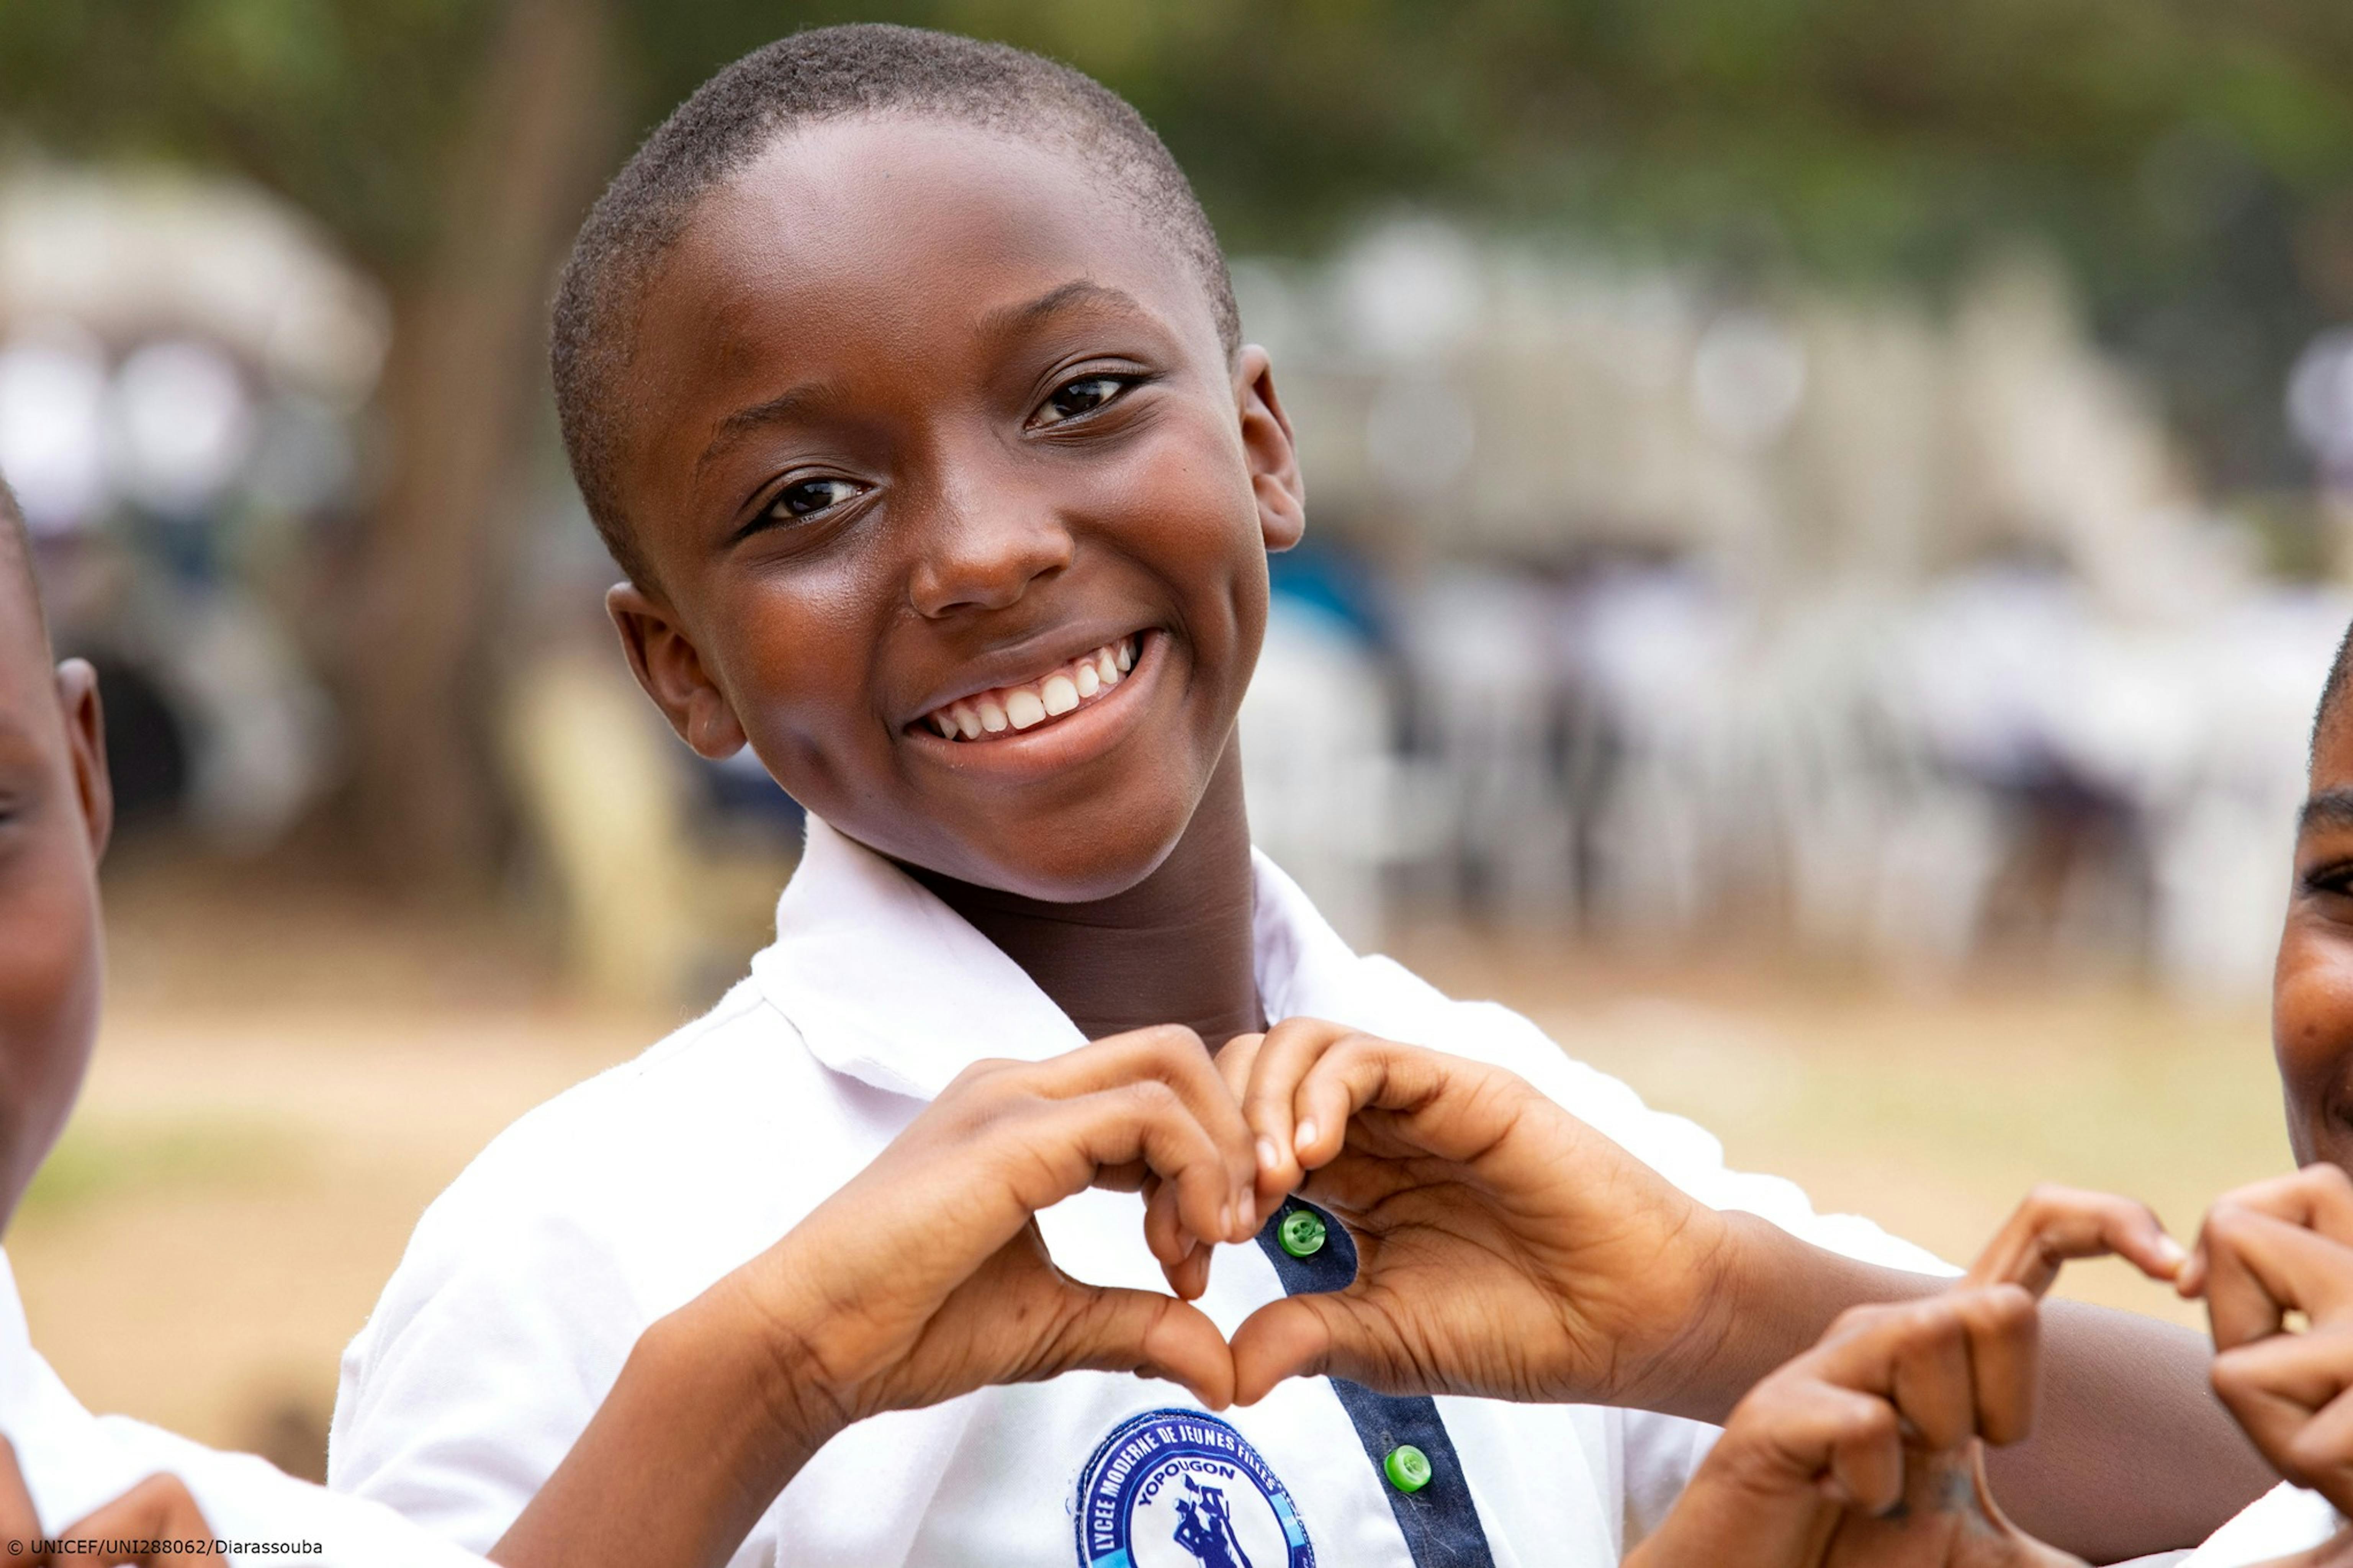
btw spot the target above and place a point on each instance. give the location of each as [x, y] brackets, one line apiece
[1503, 1248]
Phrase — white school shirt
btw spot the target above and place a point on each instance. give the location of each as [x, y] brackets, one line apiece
[74, 1462]
[2283, 1520]
[529, 1280]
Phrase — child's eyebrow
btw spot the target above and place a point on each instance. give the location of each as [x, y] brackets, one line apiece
[784, 405]
[2327, 808]
[1007, 320]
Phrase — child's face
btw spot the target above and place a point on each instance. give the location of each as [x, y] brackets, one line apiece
[2311, 988]
[54, 814]
[921, 416]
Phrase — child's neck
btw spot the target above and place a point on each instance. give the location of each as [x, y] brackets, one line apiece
[1174, 949]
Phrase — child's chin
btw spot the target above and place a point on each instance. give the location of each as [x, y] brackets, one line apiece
[1074, 863]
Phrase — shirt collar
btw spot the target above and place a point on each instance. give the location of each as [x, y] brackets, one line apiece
[887, 984]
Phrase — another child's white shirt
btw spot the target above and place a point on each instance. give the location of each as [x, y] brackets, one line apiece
[74, 1462]
[528, 1281]
[2283, 1520]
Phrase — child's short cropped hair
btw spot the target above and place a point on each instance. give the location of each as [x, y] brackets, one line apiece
[828, 73]
[2327, 717]
[19, 583]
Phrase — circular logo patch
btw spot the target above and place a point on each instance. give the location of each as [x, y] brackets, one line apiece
[1180, 1489]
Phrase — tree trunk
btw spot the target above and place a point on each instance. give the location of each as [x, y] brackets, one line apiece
[470, 333]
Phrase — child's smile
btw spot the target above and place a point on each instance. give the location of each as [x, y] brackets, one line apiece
[2311, 986]
[959, 508]
[992, 710]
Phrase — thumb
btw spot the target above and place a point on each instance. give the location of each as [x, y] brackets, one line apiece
[1305, 1336]
[1109, 1329]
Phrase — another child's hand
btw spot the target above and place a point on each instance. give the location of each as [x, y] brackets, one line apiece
[1503, 1247]
[2268, 1251]
[154, 1522]
[925, 1277]
[1868, 1450]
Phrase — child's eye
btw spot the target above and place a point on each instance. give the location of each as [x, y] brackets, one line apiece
[2334, 878]
[1082, 396]
[809, 497]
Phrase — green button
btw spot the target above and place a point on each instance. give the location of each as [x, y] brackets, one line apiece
[1301, 1235]
[1408, 1468]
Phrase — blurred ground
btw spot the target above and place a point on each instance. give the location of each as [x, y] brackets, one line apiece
[289, 1074]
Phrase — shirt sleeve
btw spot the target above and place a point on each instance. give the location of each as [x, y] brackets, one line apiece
[492, 1346]
[270, 1517]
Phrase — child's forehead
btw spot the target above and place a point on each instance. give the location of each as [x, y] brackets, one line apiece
[921, 224]
[28, 687]
[2332, 754]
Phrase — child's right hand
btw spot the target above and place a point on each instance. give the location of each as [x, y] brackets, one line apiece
[2265, 1251]
[1868, 1450]
[925, 1277]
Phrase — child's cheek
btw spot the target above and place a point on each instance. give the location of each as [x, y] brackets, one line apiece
[2312, 1031]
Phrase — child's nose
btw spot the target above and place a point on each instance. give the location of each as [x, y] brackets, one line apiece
[985, 553]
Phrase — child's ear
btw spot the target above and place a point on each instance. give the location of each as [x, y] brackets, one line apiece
[1268, 447]
[84, 722]
[670, 670]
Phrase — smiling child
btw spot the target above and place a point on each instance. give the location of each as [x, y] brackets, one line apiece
[902, 374]
[2284, 1248]
[943, 1285]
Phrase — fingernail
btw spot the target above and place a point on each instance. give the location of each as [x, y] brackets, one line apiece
[2171, 1251]
[1226, 1219]
[1250, 1214]
[1305, 1137]
[1268, 1156]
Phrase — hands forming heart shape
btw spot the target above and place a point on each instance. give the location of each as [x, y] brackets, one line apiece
[1503, 1247]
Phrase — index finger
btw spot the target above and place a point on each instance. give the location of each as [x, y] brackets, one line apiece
[2318, 1198]
[1272, 1068]
[2055, 1225]
[2260, 1267]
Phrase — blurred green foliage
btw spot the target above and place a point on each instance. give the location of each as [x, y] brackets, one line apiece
[2193, 160]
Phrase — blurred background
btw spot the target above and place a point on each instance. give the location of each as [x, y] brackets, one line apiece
[1828, 523]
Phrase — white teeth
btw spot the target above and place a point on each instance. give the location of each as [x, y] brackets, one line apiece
[1023, 707]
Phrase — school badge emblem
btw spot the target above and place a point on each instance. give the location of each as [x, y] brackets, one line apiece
[1180, 1489]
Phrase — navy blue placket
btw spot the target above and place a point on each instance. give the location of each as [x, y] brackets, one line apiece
[1440, 1521]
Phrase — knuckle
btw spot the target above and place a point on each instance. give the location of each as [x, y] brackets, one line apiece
[1155, 1097]
[2326, 1179]
[1175, 1039]
[2232, 1378]
[2005, 1308]
[1868, 1420]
